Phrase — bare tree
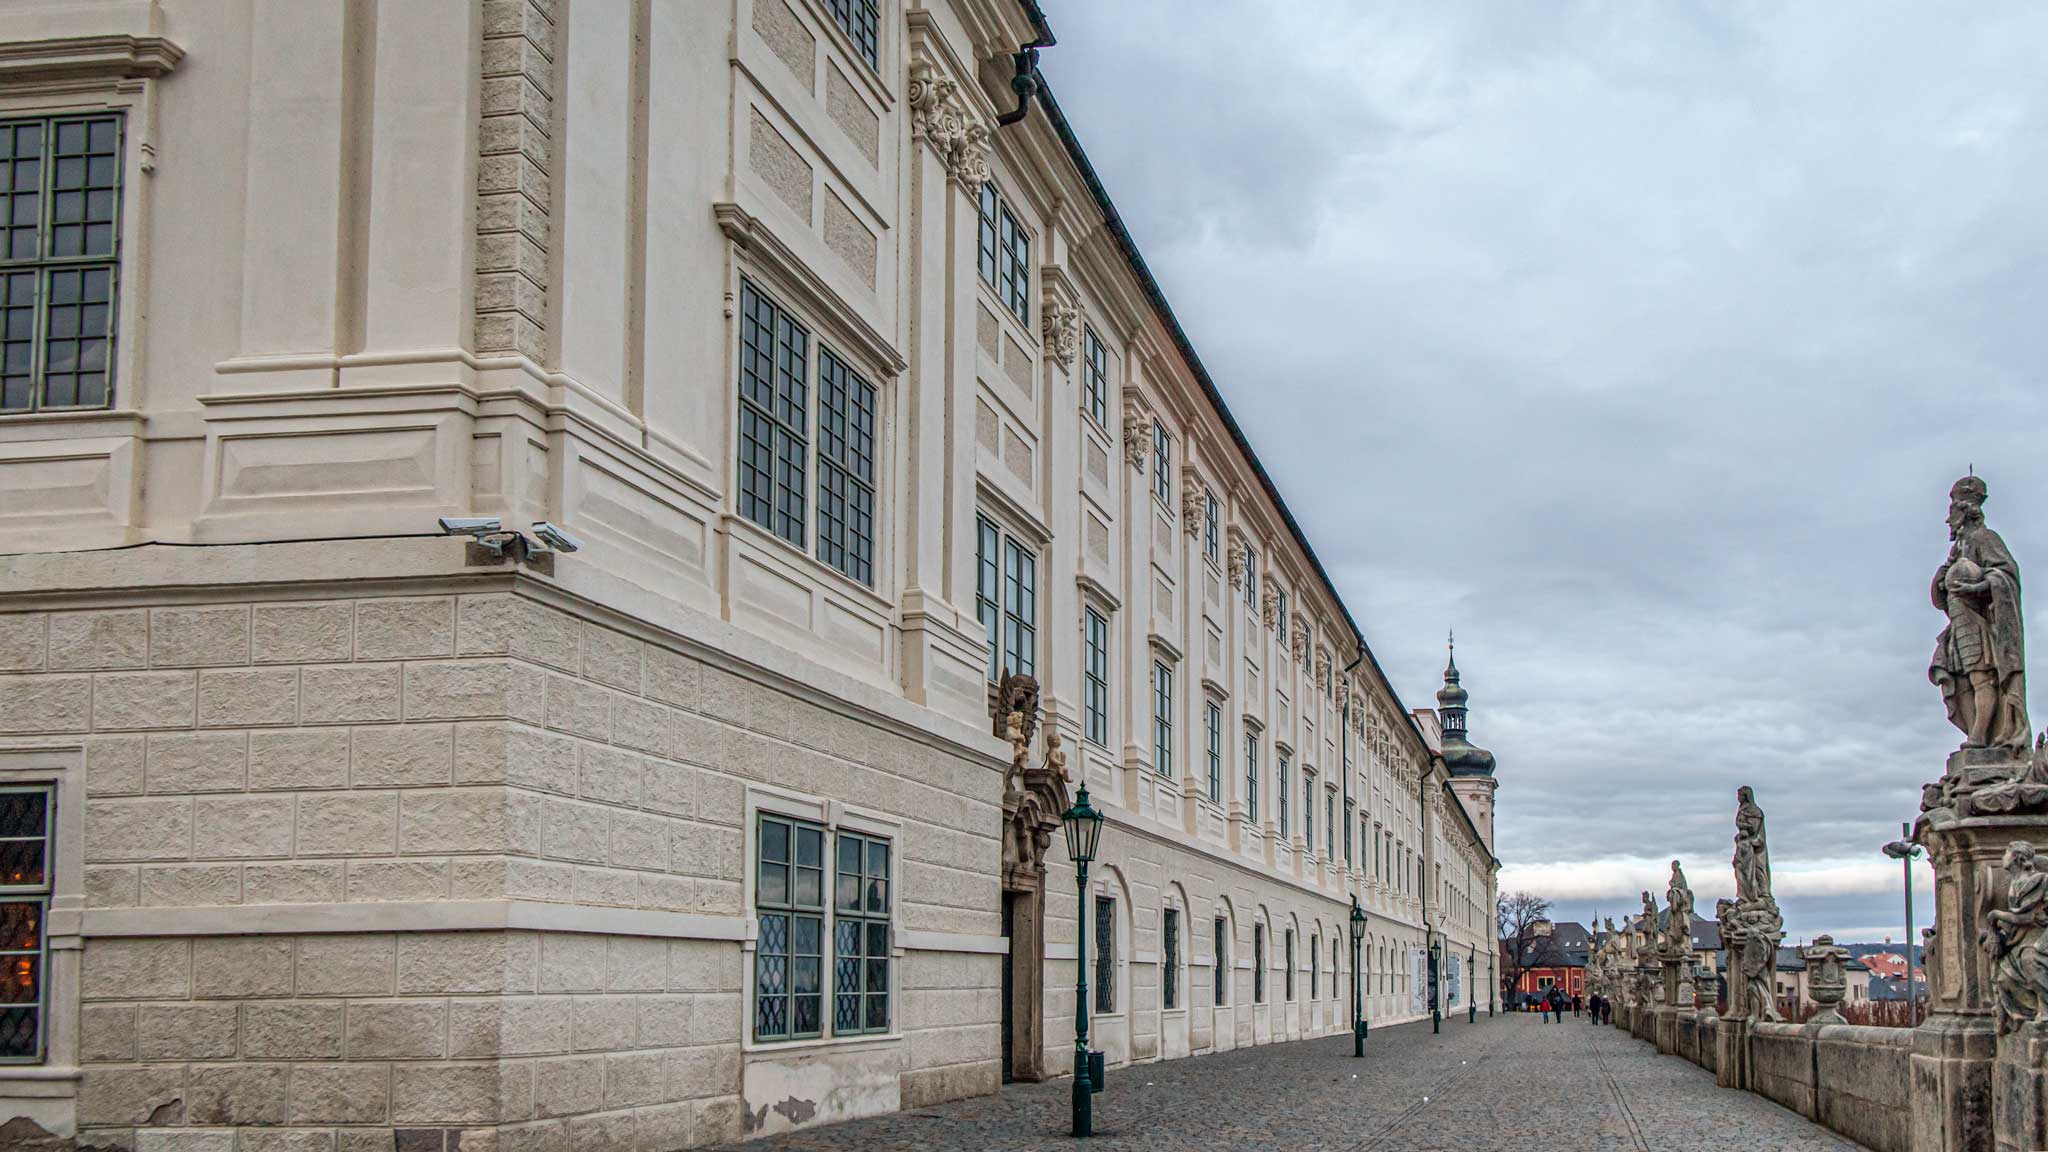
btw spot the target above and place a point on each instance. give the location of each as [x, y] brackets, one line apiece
[1515, 916]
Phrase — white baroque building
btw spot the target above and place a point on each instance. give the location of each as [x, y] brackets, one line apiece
[834, 355]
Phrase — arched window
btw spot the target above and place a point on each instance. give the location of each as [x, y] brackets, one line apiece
[1258, 963]
[1315, 965]
[1221, 968]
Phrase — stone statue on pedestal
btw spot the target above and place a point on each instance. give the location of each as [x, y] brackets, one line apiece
[1980, 659]
[2014, 937]
[1753, 918]
[1678, 931]
[1827, 977]
[1761, 930]
[1752, 854]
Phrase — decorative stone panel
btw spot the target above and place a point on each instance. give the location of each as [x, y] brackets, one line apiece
[514, 163]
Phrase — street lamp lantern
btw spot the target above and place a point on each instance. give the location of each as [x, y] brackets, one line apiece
[1905, 851]
[1083, 825]
[1357, 992]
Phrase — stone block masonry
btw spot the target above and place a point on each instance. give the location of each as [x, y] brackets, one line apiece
[459, 871]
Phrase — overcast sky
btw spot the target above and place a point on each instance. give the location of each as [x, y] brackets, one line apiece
[1640, 343]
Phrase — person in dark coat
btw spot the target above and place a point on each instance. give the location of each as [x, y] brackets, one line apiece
[1576, 1004]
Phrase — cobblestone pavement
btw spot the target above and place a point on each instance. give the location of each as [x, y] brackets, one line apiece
[1513, 1082]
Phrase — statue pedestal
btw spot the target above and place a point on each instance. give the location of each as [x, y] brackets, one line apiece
[1953, 1052]
[1731, 1053]
[2019, 1090]
[1666, 1017]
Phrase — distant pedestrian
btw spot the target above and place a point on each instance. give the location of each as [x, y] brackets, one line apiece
[1575, 1005]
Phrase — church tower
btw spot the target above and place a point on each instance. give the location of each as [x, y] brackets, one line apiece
[1470, 767]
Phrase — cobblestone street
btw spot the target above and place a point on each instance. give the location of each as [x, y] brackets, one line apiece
[1513, 1082]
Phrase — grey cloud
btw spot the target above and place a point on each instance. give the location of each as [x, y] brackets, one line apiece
[1632, 340]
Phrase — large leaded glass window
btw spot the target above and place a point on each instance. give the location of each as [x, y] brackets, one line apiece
[1094, 378]
[60, 203]
[789, 901]
[862, 22]
[846, 468]
[1162, 718]
[1094, 677]
[25, 870]
[1169, 932]
[1105, 954]
[860, 935]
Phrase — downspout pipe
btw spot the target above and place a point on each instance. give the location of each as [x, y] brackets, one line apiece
[1026, 82]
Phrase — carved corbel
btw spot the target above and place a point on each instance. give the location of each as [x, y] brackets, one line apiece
[1299, 645]
[1323, 672]
[970, 156]
[1269, 606]
[1238, 553]
[1137, 435]
[1194, 500]
[1060, 324]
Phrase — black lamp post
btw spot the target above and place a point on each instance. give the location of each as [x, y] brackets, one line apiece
[1436, 1006]
[1083, 825]
[1904, 850]
[1357, 992]
[1471, 992]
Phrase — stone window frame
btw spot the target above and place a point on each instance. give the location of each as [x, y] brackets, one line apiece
[1094, 378]
[861, 21]
[35, 895]
[1259, 959]
[1289, 960]
[1315, 964]
[46, 1091]
[1003, 266]
[1221, 937]
[1212, 750]
[824, 343]
[1009, 541]
[833, 816]
[1162, 715]
[1162, 463]
[38, 271]
[1252, 732]
[1283, 761]
[1173, 966]
[1107, 883]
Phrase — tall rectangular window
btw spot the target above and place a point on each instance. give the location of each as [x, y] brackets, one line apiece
[1258, 963]
[789, 957]
[1169, 932]
[1280, 793]
[1315, 965]
[1251, 578]
[1094, 677]
[1212, 721]
[846, 468]
[988, 591]
[1221, 954]
[1020, 608]
[25, 871]
[1105, 954]
[1162, 463]
[1330, 824]
[862, 22]
[1003, 254]
[1162, 718]
[1290, 965]
[774, 415]
[1094, 378]
[1251, 776]
[1283, 613]
[1308, 808]
[1212, 535]
[860, 936]
[60, 197]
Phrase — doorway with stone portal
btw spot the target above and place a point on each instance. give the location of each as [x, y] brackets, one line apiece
[1031, 812]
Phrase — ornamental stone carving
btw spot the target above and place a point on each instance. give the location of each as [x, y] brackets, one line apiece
[1137, 431]
[970, 156]
[1752, 855]
[1238, 552]
[1269, 607]
[1827, 978]
[1060, 324]
[938, 117]
[1194, 500]
[1980, 658]
[1678, 928]
[1751, 926]
[1323, 672]
[1299, 646]
[2015, 939]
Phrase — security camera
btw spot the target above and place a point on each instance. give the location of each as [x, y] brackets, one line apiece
[477, 526]
[555, 538]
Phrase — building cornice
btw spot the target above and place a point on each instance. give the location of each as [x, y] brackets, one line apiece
[87, 59]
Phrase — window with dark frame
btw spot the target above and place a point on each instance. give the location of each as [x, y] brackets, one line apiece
[1169, 932]
[1280, 794]
[1330, 824]
[775, 446]
[1094, 378]
[1315, 965]
[861, 947]
[1251, 578]
[1162, 463]
[1212, 720]
[1251, 776]
[1290, 965]
[1336, 966]
[60, 235]
[1258, 963]
[1006, 599]
[1105, 954]
[1221, 970]
[1162, 718]
[25, 871]
[1282, 614]
[846, 468]
[1094, 677]
[1308, 809]
[861, 20]
[789, 905]
[1212, 535]
[1003, 254]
